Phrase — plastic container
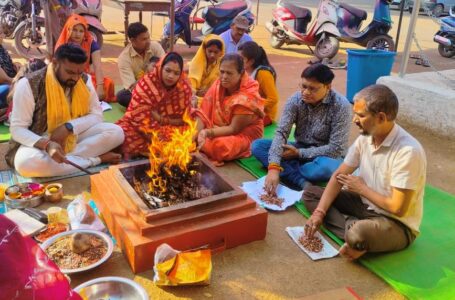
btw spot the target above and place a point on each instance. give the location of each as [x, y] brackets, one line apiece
[365, 66]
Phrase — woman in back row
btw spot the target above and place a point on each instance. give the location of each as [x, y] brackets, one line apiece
[258, 67]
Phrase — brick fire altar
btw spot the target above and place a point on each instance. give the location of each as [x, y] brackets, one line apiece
[226, 219]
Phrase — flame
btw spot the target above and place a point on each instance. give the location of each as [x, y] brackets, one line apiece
[170, 148]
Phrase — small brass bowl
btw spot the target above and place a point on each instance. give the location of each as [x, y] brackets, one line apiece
[53, 192]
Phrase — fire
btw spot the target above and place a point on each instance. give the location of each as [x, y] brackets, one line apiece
[171, 154]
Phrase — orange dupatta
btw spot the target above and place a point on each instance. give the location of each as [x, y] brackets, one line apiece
[65, 36]
[218, 109]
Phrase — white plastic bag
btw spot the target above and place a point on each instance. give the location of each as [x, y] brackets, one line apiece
[82, 216]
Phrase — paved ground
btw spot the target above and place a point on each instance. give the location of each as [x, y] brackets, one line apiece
[275, 268]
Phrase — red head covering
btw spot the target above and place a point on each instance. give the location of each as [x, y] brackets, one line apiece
[65, 36]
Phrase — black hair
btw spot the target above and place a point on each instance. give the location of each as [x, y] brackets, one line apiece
[237, 59]
[135, 29]
[71, 52]
[154, 59]
[175, 57]
[216, 43]
[379, 98]
[251, 50]
[319, 72]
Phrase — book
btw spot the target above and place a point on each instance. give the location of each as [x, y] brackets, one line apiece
[27, 224]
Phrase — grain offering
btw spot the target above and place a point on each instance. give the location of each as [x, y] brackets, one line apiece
[313, 244]
[89, 249]
[272, 199]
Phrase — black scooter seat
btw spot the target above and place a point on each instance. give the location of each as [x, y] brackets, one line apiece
[359, 13]
[299, 12]
[227, 10]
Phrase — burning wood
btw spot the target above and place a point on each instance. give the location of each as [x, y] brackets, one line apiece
[173, 176]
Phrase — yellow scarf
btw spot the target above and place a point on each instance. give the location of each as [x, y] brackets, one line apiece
[198, 72]
[58, 109]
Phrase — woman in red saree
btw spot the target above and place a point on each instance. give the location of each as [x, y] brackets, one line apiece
[76, 31]
[230, 118]
[159, 101]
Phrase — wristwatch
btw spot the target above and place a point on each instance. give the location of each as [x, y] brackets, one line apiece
[69, 126]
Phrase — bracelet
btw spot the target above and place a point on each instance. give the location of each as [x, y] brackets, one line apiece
[319, 210]
[274, 166]
[211, 133]
[46, 145]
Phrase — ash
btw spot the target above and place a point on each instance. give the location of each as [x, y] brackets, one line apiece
[180, 186]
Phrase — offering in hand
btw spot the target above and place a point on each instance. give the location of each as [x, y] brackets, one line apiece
[313, 244]
[272, 199]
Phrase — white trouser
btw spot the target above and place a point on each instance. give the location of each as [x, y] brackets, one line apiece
[97, 140]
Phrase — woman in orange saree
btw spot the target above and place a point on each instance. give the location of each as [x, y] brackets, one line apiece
[76, 31]
[231, 114]
[159, 101]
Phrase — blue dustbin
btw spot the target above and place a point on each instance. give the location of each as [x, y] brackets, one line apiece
[365, 67]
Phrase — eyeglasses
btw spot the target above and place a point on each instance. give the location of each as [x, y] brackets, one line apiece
[310, 89]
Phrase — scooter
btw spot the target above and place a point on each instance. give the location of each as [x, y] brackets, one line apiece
[290, 26]
[91, 10]
[375, 35]
[216, 19]
[445, 37]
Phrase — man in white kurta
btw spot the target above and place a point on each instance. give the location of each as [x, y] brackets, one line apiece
[380, 208]
[42, 153]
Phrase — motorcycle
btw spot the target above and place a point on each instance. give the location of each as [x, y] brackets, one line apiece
[375, 35]
[91, 10]
[20, 21]
[290, 26]
[216, 19]
[445, 37]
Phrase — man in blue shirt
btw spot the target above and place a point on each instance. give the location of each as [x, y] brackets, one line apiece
[236, 35]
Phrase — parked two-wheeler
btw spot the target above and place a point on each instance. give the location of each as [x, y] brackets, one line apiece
[445, 37]
[216, 19]
[375, 35]
[290, 26]
[20, 21]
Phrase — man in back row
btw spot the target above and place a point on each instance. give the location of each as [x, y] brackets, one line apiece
[135, 58]
[381, 208]
[236, 35]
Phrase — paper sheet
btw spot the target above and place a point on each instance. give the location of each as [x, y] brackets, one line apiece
[105, 106]
[255, 189]
[327, 251]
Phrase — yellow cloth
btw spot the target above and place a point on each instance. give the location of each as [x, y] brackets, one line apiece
[58, 109]
[268, 91]
[202, 76]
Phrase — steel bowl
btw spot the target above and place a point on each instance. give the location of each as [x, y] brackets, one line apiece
[13, 203]
[111, 288]
[102, 235]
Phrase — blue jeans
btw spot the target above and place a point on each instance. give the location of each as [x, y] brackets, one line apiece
[297, 172]
[4, 89]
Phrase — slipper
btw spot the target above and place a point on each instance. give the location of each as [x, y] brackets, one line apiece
[415, 56]
[422, 62]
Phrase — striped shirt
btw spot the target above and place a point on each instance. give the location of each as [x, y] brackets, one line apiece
[321, 130]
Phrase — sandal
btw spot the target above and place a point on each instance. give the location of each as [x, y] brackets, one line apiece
[415, 56]
[423, 62]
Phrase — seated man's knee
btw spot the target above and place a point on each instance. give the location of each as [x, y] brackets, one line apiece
[31, 166]
[260, 148]
[116, 133]
[358, 234]
[311, 196]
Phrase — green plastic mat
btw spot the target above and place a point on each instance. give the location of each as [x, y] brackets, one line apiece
[4, 133]
[113, 115]
[110, 116]
[425, 270]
